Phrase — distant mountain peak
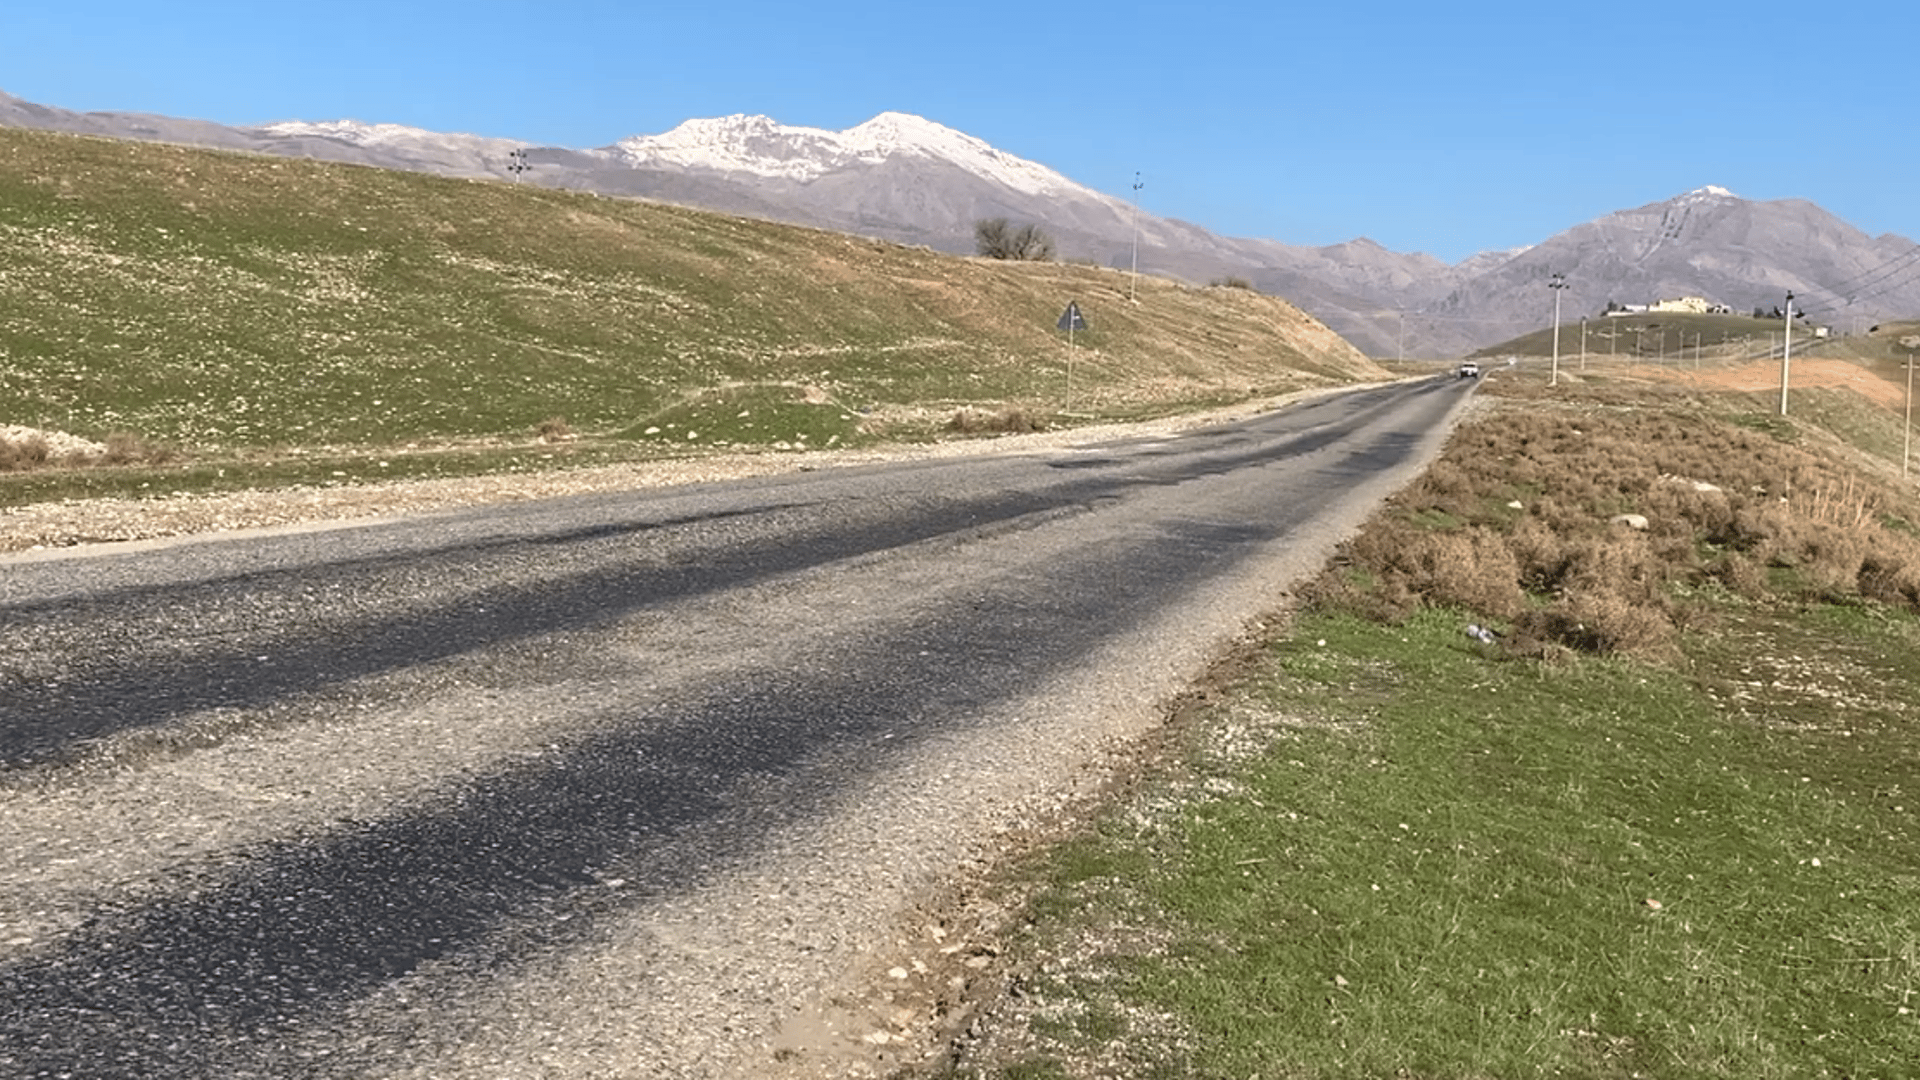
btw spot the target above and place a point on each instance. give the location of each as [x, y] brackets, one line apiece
[762, 146]
[381, 135]
[1703, 194]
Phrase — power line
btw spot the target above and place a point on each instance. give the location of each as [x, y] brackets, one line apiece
[1875, 281]
[1848, 283]
[1906, 275]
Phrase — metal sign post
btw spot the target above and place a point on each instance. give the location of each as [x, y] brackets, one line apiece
[1071, 320]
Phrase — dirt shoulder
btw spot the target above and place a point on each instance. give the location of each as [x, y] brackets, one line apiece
[58, 527]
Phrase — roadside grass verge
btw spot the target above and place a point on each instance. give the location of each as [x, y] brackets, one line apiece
[1658, 818]
[1445, 863]
[1592, 523]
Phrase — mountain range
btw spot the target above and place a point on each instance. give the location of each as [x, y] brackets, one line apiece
[909, 179]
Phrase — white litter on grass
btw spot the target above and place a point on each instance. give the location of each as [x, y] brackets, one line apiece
[59, 443]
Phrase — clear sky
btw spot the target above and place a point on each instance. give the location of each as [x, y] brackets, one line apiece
[1445, 128]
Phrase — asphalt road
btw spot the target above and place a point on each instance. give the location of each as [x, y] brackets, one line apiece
[607, 785]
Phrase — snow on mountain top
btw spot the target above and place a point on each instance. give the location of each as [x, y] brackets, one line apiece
[353, 131]
[1482, 260]
[765, 147]
[1711, 191]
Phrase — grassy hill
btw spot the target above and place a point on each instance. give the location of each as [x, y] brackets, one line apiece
[227, 304]
[1655, 335]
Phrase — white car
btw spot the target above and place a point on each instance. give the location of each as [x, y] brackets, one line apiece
[1469, 370]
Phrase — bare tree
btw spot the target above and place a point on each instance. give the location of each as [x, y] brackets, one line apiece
[996, 239]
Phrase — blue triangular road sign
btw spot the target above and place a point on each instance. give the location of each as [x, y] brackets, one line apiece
[1071, 318]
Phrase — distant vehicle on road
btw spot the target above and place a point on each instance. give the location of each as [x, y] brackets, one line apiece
[1469, 370]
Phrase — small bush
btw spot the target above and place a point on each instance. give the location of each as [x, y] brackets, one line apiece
[1601, 623]
[995, 238]
[126, 448]
[1726, 507]
[1009, 421]
[1231, 282]
[554, 429]
[21, 454]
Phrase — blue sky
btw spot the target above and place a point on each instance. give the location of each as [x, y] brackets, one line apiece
[1445, 128]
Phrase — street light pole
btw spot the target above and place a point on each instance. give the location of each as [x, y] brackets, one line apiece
[1906, 446]
[1133, 276]
[1786, 352]
[1558, 283]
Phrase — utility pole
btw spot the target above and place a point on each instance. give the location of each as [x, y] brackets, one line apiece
[1786, 352]
[1403, 335]
[1558, 283]
[1906, 446]
[517, 163]
[1133, 276]
[1583, 343]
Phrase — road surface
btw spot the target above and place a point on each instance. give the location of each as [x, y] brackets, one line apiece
[645, 784]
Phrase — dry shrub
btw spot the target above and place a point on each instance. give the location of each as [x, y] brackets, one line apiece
[1841, 505]
[1890, 572]
[1447, 489]
[1676, 506]
[1622, 561]
[21, 454]
[1469, 568]
[1012, 421]
[1539, 554]
[1724, 503]
[126, 448]
[1344, 587]
[1830, 560]
[553, 429]
[121, 448]
[1741, 574]
[1600, 623]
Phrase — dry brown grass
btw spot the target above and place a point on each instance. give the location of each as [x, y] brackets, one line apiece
[121, 448]
[28, 453]
[1010, 421]
[1516, 525]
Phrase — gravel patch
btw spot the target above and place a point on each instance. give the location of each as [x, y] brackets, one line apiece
[70, 523]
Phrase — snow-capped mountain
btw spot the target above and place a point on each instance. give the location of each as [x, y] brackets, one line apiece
[913, 180]
[390, 135]
[761, 146]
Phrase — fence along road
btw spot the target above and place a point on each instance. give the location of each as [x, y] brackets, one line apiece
[604, 785]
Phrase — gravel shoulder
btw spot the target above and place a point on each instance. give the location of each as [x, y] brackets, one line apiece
[53, 529]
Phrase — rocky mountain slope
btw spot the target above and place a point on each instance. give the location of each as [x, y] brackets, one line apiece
[909, 179]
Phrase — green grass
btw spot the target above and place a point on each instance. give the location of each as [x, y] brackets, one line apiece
[1446, 864]
[782, 416]
[229, 306]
